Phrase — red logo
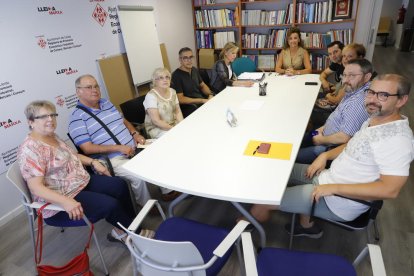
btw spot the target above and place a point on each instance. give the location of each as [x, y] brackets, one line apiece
[59, 101]
[100, 15]
[41, 42]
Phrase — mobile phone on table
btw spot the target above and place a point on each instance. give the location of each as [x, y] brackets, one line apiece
[264, 148]
[311, 83]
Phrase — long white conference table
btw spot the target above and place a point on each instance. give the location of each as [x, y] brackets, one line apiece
[204, 156]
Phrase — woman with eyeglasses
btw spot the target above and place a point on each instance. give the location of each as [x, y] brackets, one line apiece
[161, 105]
[55, 173]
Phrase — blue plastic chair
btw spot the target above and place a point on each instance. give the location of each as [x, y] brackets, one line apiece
[277, 261]
[243, 64]
[181, 246]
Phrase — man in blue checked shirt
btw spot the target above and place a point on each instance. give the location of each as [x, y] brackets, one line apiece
[347, 118]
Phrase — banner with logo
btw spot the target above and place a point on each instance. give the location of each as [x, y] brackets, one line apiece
[45, 46]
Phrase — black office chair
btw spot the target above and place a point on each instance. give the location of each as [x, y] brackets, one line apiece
[134, 112]
[363, 221]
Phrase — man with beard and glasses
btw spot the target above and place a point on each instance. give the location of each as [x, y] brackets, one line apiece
[373, 165]
[347, 118]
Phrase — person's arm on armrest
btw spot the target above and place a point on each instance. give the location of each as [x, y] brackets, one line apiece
[70, 205]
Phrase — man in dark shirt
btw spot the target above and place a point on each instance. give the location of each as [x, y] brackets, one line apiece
[192, 92]
[335, 55]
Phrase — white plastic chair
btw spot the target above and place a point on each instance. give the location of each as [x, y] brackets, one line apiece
[276, 261]
[15, 177]
[179, 246]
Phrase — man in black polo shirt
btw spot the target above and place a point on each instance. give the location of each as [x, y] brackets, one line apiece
[335, 55]
[192, 92]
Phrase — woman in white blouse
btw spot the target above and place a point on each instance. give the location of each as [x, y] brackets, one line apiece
[161, 105]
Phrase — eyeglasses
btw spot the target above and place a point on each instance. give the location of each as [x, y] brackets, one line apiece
[187, 58]
[90, 87]
[44, 117]
[350, 76]
[382, 96]
[163, 78]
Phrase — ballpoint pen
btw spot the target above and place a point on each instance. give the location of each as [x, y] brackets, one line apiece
[256, 150]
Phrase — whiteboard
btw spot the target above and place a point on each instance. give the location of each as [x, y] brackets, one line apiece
[141, 41]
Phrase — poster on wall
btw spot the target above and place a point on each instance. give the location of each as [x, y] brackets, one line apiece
[44, 50]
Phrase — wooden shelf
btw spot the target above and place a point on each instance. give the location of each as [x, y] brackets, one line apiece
[271, 5]
[216, 5]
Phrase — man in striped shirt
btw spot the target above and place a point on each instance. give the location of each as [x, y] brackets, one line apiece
[347, 118]
[92, 138]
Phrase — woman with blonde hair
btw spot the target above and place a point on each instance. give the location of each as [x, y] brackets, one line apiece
[222, 73]
[161, 105]
[294, 58]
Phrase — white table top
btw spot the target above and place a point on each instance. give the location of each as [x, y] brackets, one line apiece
[203, 155]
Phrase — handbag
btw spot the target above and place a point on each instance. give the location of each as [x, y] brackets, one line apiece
[79, 265]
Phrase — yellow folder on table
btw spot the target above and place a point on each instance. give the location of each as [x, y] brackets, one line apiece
[277, 150]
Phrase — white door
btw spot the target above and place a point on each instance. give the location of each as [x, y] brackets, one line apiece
[369, 12]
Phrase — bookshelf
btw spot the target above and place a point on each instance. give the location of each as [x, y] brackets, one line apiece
[259, 27]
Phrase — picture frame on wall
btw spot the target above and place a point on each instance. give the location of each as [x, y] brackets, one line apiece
[342, 9]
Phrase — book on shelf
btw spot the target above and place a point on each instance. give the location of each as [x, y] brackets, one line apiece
[320, 40]
[316, 12]
[214, 18]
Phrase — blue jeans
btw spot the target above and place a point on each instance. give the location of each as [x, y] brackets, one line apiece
[104, 197]
[308, 154]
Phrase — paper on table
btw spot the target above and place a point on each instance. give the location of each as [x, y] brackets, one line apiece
[147, 143]
[251, 76]
[277, 150]
[251, 105]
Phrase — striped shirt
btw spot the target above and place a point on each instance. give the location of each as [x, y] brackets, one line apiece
[349, 115]
[83, 128]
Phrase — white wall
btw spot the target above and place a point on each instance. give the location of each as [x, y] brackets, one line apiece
[390, 9]
[175, 29]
